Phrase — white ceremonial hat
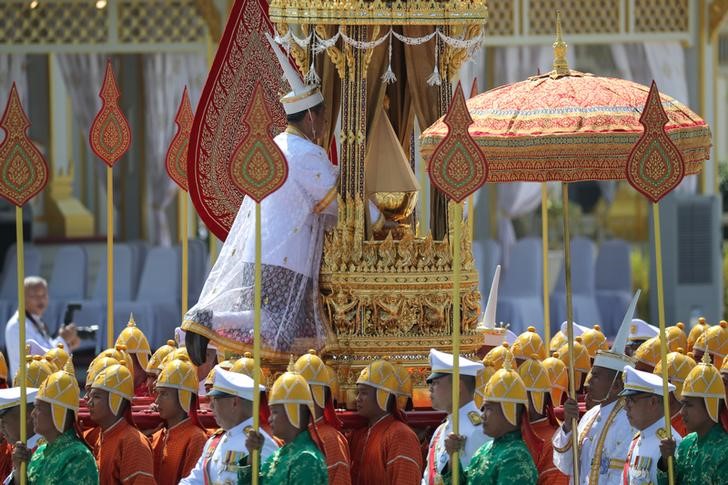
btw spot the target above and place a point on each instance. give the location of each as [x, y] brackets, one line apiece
[641, 330]
[35, 347]
[10, 397]
[578, 329]
[615, 358]
[441, 364]
[302, 96]
[637, 381]
[179, 336]
[226, 383]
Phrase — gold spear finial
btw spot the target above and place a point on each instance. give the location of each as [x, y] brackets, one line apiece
[561, 67]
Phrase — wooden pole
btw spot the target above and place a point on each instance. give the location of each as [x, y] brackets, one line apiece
[570, 326]
[663, 336]
[185, 250]
[456, 216]
[20, 254]
[256, 341]
[109, 257]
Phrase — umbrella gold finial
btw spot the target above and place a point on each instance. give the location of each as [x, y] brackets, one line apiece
[561, 67]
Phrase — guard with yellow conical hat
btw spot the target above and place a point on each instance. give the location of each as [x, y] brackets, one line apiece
[64, 454]
[386, 450]
[334, 444]
[153, 366]
[138, 346]
[639, 331]
[291, 420]
[57, 356]
[506, 459]
[528, 344]
[231, 400]
[123, 453]
[470, 428]
[679, 366]
[702, 456]
[643, 400]
[594, 340]
[695, 332]
[497, 355]
[676, 337]
[604, 430]
[37, 370]
[714, 341]
[178, 445]
[542, 419]
[559, 377]
[647, 355]
[582, 362]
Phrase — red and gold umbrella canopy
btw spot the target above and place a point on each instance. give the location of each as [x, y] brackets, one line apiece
[569, 126]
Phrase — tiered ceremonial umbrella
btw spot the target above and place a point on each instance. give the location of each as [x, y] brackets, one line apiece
[570, 126]
[110, 139]
[176, 165]
[23, 174]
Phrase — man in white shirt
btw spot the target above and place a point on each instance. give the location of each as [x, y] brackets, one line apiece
[643, 394]
[231, 399]
[469, 420]
[36, 303]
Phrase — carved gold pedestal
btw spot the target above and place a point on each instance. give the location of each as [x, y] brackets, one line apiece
[393, 299]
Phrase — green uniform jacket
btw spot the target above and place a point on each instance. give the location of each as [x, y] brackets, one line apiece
[503, 461]
[66, 461]
[700, 461]
[299, 462]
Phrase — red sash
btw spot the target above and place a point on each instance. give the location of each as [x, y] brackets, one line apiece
[431, 455]
[625, 472]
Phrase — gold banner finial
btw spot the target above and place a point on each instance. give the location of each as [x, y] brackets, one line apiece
[561, 67]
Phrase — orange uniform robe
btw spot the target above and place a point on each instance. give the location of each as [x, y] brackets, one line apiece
[336, 448]
[387, 453]
[124, 455]
[6, 459]
[176, 451]
[548, 474]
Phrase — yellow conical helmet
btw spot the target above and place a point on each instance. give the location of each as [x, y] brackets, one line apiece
[3, 368]
[210, 378]
[679, 366]
[724, 367]
[481, 379]
[291, 390]
[497, 355]
[381, 375]
[37, 370]
[57, 356]
[121, 353]
[676, 337]
[61, 391]
[557, 341]
[582, 361]
[507, 388]
[649, 352]
[527, 344]
[705, 381]
[537, 381]
[715, 342]
[246, 365]
[313, 369]
[404, 385]
[156, 359]
[696, 332]
[135, 341]
[97, 365]
[181, 375]
[593, 340]
[559, 377]
[118, 382]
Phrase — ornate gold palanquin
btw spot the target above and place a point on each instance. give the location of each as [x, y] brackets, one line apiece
[385, 293]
